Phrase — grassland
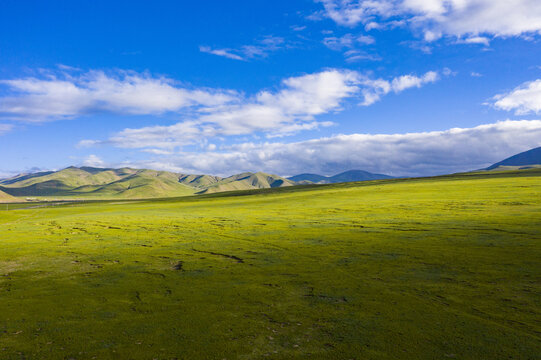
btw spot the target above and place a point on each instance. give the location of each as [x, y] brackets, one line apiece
[402, 269]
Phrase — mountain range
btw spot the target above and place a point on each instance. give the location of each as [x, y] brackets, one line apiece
[128, 183]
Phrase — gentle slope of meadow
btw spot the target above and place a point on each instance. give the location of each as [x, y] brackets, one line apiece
[403, 269]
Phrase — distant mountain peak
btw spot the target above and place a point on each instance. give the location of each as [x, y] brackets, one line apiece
[527, 158]
[346, 176]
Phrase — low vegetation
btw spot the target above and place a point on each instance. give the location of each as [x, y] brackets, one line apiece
[435, 268]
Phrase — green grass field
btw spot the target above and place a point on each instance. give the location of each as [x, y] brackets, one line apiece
[441, 268]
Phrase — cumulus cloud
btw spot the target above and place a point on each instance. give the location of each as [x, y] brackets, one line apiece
[410, 154]
[93, 161]
[463, 19]
[63, 95]
[260, 49]
[293, 108]
[525, 99]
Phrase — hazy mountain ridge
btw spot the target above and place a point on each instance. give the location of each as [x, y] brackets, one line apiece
[347, 176]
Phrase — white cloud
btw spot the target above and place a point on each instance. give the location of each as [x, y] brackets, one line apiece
[93, 161]
[476, 40]
[4, 128]
[62, 95]
[220, 52]
[435, 18]
[355, 55]
[347, 41]
[291, 109]
[351, 44]
[260, 49]
[525, 99]
[158, 151]
[375, 89]
[410, 154]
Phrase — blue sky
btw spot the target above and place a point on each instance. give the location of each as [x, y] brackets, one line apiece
[403, 87]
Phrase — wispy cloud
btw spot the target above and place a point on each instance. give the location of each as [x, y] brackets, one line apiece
[482, 40]
[465, 19]
[352, 46]
[525, 99]
[375, 89]
[260, 49]
[220, 52]
[347, 41]
[298, 27]
[411, 154]
[64, 95]
[4, 128]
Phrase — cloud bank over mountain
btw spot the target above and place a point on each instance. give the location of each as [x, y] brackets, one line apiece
[410, 154]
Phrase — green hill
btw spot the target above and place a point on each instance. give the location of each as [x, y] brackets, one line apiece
[248, 181]
[87, 182]
[127, 183]
[142, 184]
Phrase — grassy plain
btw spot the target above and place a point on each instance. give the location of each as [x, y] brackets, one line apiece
[402, 269]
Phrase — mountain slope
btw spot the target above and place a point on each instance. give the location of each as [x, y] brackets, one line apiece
[199, 181]
[357, 175]
[248, 181]
[347, 176]
[6, 198]
[142, 184]
[22, 177]
[315, 178]
[530, 158]
[71, 177]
